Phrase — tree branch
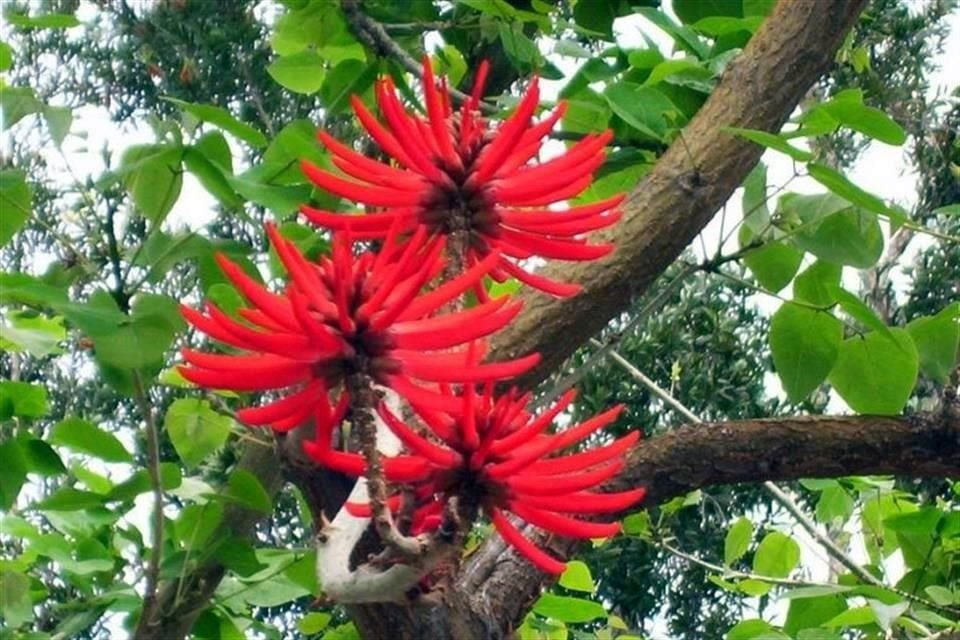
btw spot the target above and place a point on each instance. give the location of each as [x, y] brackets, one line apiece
[696, 457]
[375, 37]
[690, 182]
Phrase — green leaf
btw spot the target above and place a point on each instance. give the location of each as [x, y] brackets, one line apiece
[40, 458]
[875, 373]
[683, 36]
[197, 523]
[295, 142]
[835, 506]
[221, 118]
[940, 595]
[777, 555]
[301, 72]
[15, 202]
[841, 186]
[848, 108]
[567, 609]
[598, 16]
[127, 342]
[755, 629]
[153, 178]
[6, 56]
[244, 488]
[20, 288]
[313, 623]
[642, 108]
[756, 213]
[814, 592]
[13, 473]
[22, 399]
[577, 577]
[753, 587]
[805, 345]
[58, 120]
[70, 499]
[773, 264]
[211, 177]
[195, 429]
[282, 200]
[79, 435]
[859, 310]
[637, 524]
[349, 77]
[520, 49]
[46, 21]
[850, 237]
[817, 283]
[15, 104]
[812, 611]
[858, 616]
[771, 141]
[238, 555]
[949, 210]
[737, 540]
[937, 339]
[216, 149]
[690, 11]
[37, 335]
[15, 603]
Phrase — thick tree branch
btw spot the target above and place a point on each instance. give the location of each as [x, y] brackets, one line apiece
[693, 179]
[700, 456]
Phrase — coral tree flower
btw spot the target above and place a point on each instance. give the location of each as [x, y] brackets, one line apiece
[348, 314]
[497, 455]
[455, 172]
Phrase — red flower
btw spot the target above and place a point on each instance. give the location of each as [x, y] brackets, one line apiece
[457, 173]
[343, 315]
[493, 452]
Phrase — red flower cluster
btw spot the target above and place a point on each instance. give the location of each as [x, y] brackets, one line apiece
[344, 315]
[378, 317]
[457, 174]
[494, 452]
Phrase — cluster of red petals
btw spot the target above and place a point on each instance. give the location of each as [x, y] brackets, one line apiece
[456, 173]
[494, 451]
[348, 314]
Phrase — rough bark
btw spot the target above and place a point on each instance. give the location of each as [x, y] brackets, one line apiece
[688, 184]
[663, 214]
[496, 587]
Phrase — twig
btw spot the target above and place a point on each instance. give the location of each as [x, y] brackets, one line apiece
[363, 398]
[153, 470]
[337, 539]
[727, 572]
[779, 495]
[613, 341]
[372, 34]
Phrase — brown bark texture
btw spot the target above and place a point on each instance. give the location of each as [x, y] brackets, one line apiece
[496, 587]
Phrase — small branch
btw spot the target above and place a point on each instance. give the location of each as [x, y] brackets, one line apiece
[363, 398]
[337, 539]
[654, 304]
[779, 495]
[727, 572]
[375, 37]
[153, 470]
